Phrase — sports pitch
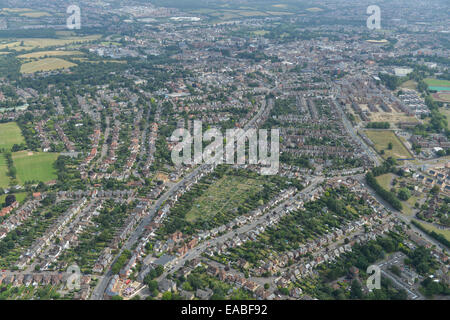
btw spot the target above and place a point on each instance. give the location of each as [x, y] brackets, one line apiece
[10, 134]
[34, 166]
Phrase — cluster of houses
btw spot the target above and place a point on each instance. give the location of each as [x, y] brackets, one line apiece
[414, 102]
[121, 235]
[69, 235]
[118, 195]
[19, 216]
[435, 177]
[435, 141]
[45, 142]
[112, 147]
[59, 225]
[95, 138]
[304, 138]
[7, 210]
[44, 279]
[68, 144]
[135, 145]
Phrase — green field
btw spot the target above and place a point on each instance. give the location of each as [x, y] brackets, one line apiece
[10, 134]
[381, 139]
[430, 227]
[410, 84]
[32, 166]
[47, 64]
[30, 44]
[223, 196]
[437, 82]
[4, 179]
[385, 180]
[53, 53]
[20, 197]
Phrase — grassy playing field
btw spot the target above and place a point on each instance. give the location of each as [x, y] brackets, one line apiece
[34, 166]
[46, 64]
[4, 179]
[224, 195]
[54, 53]
[437, 82]
[10, 134]
[381, 139]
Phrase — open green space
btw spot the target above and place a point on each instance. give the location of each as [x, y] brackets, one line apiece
[430, 227]
[4, 179]
[437, 83]
[34, 166]
[20, 197]
[381, 140]
[10, 135]
[385, 180]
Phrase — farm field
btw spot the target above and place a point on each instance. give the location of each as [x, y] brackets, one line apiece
[30, 44]
[34, 166]
[46, 64]
[35, 14]
[4, 179]
[10, 135]
[54, 53]
[381, 139]
[15, 10]
[224, 14]
[224, 195]
[314, 9]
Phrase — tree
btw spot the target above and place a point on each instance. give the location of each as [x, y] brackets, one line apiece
[10, 199]
[167, 295]
[404, 194]
[152, 284]
[435, 190]
[356, 290]
[284, 291]
[390, 145]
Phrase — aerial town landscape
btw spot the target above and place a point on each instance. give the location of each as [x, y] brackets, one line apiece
[93, 96]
